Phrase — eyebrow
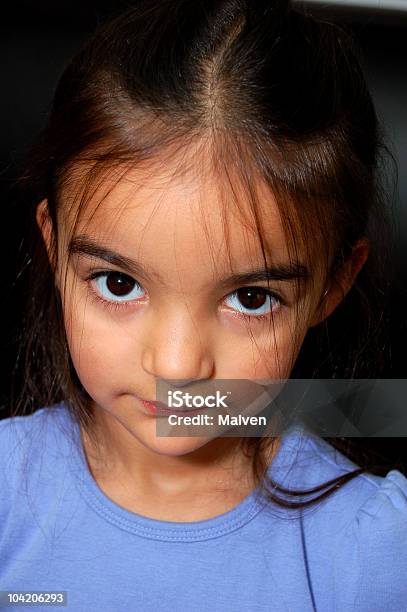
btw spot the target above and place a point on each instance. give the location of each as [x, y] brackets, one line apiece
[85, 246]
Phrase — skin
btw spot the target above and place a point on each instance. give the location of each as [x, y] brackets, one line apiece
[188, 329]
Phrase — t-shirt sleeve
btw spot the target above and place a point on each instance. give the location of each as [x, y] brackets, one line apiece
[13, 463]
[371, 556]
[6, 474]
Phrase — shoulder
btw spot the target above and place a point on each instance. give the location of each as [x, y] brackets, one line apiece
[19, 432]
[380, 531]
[369, 547]
[376, 503]
[371, 553]
[16, 434]
[28, 444]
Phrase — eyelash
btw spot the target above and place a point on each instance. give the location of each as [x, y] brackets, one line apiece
[110, 305]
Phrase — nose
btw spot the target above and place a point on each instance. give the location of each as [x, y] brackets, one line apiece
[176, 352]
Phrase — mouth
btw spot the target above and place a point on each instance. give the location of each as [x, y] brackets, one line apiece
[157, 407]
[160, 405]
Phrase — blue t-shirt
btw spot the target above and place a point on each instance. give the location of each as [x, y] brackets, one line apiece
[60, 532]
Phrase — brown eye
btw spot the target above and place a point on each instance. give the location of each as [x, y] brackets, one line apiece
[257, 300]
[252, 298]
[117, 285]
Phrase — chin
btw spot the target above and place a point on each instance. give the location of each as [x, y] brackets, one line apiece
[175, 446]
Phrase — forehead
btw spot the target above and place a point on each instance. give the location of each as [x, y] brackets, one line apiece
[190, 215]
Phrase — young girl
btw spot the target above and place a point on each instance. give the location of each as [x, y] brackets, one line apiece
[206, 205]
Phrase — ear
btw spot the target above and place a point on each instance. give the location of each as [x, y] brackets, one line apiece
[45, 225]
[342, 281]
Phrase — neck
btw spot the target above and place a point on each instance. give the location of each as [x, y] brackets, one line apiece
[137, 476]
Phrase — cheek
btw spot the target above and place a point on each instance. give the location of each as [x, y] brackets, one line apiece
[100, 350]
[265, 351]
[272, 353]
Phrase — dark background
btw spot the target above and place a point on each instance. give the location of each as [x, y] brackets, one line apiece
[36, 42]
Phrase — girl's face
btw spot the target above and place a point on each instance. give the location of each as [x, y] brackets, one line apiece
[165, 307]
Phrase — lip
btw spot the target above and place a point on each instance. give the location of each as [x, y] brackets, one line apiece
[156, 403]
[157, 407]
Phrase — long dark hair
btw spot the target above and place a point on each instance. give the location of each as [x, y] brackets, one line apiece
[280, 96]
